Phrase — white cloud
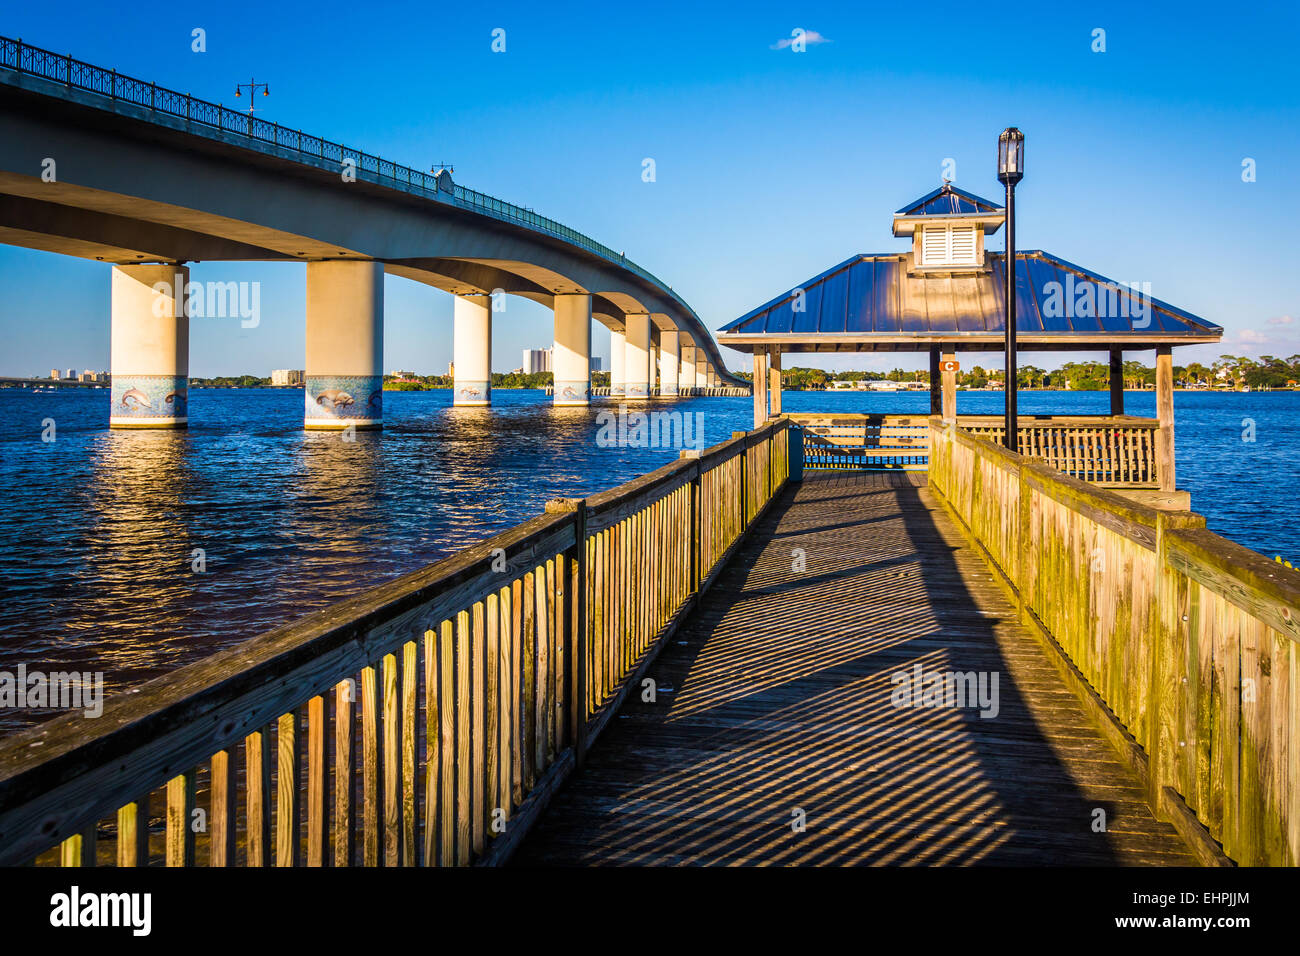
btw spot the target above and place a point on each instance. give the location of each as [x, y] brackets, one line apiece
[810, 38]
[1278, 340]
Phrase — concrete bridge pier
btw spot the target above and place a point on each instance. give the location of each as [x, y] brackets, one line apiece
[686, 368]
[617, 362]
[150, 350]
[701, 370]
[669, 354]
[654, 358]
[571, 355]
[636, 369]
[472, 350]
[345, 345]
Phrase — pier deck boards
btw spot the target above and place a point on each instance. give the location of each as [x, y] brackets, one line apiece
[775, 699]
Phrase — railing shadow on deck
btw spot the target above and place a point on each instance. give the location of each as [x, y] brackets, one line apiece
[782, 701]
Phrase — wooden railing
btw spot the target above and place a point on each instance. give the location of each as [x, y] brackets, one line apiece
[892, 442]
[1119, 451]
[1188, 640]
[1116, 451]
[426, 721]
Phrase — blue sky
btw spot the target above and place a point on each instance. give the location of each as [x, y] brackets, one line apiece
[771, 165]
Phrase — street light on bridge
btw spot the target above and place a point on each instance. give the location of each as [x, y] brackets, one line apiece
[1011, 169]
[252, 88]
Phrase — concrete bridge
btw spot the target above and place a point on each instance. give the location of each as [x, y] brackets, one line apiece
[105, 167]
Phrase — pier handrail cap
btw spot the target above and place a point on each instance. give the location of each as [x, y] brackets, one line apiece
[563, 505]
[691, 453]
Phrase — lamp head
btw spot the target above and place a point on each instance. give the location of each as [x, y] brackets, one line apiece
[1011, 156]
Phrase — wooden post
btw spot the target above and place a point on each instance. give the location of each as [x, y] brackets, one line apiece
[936, 394]
[744, 481]
[695, 519]
[575, 621]
[950, 388]
[760, 387]
[1165, 416]
[774, 378]
[1116, 382]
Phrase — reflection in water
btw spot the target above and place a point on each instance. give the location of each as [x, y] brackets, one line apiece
[136, 549]
[100, 527]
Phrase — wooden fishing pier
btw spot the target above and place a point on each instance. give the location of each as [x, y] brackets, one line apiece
[700, 666]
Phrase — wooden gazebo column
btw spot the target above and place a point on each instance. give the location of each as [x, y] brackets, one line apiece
[1165, 416]
[949, 386]
[760, 386]
[936, 392]
[1116, 382]
[774, 378]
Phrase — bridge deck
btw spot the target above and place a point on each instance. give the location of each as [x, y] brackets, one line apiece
[776, 697]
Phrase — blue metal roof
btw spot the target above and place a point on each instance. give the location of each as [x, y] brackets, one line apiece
[874, 296]
[948, 200]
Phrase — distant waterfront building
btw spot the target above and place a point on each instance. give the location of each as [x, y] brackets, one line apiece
[70, 374]
[288, 376]
[537, 360]
[54, 374]
[597, 364]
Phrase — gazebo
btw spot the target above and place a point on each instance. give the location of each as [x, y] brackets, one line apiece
[945, 296]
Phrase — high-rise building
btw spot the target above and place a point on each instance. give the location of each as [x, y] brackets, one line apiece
[537, 360]
[597, 363]
[71, 374]
[54, 374]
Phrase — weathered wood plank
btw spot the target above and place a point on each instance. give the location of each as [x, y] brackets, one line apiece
[222, 818]
[345, 694]
[288, 816]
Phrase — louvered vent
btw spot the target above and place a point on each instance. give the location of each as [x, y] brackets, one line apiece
[949, 246]
[934, 246]
[962, 248]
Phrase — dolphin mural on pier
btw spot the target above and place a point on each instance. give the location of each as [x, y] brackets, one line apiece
[134, 398]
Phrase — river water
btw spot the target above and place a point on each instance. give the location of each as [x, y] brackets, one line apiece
[100, 528]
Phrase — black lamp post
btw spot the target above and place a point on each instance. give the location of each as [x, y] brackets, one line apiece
[252, 88]
[1011, 169]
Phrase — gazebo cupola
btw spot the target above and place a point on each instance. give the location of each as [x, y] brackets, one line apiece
[948, 227]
